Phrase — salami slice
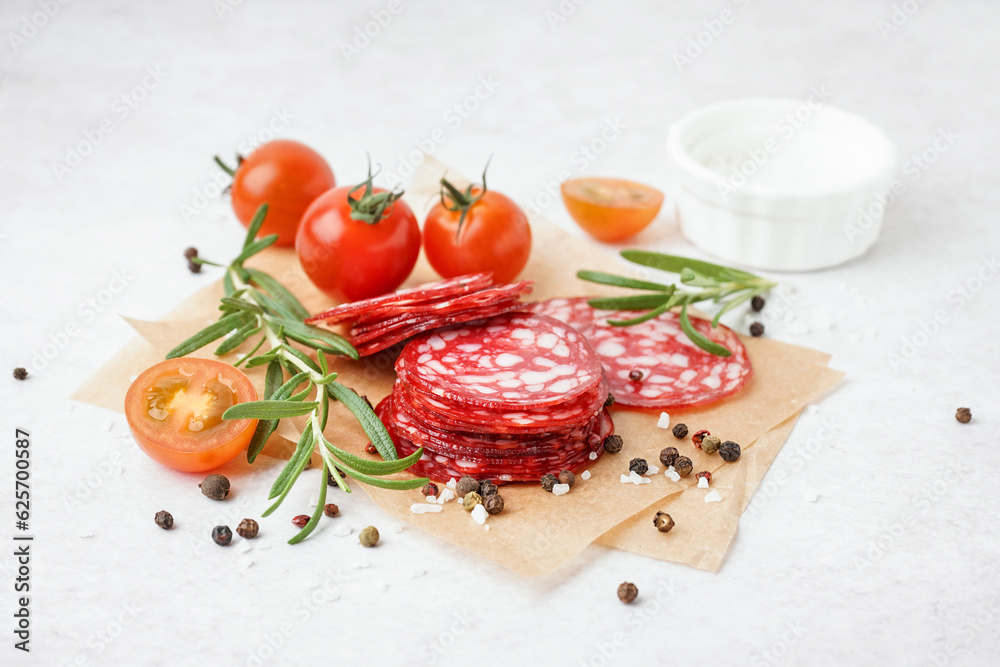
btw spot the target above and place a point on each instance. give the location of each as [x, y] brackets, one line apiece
[426, 293]
[675, 373]
[441, 307]
[512, 360]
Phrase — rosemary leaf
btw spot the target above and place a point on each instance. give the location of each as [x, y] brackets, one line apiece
[212, 332]
[373, 426]
[255, 224]
[620, 281]
[700, 339]
[270, 409]
[278, 292]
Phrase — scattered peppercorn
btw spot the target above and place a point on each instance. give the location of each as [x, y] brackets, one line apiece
[757, 329]
[548, 481]
[698, 437]
[215, 486]
[368, 401]
[729, 451]
[568, 478]
[369, 536]
[301, 520]
[247, 529]
[663, 522]
[21, 373]
[683, 466]
[190, 252]
[627, 592]
[710, 444]
[635, 376]
[487, 488]
[429, 489]
[757, 303]
[222, 535]
[493, 504]
[164, 519]
[668, 455]
[194, 267]
[964, 415]
[331, 510]
[680, 431]
[330, 481]
[638, 466]
[704, 474]
[609, 401]
[470, 500]
[370, 448]
[467, 485]
[613, 444]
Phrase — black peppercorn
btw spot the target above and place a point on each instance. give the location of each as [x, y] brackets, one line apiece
[190, 252]
[215, 487]
[964, 415]
[429, 489]
[368, 401]
[638, 466]
[627, 592]
[710, 444]
[330, 481]
[22, 373]
[494, 504]
[683, 466]
[194, 267]
[757, 329]
[331, 510]
[729, 451]
[757, 303]
[247, 529]
[164, 519]
[663, 522]
[698, 436]
[301, 520]
[668, 455]
[222, 535]
[548, 481]
[369, 536]
[487, 488]
[609, 401]
[467, 485]
[568, 478]
[613, 444]
[680, 431]
[370, 448]
[635, 376]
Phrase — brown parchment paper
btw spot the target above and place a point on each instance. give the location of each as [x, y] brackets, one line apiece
[538, 531]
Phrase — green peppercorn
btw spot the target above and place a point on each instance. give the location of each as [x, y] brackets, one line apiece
[215, 487]
[368, 536]
[710, 444]
[963, 415]
[164, 519]
[680, 431]
[548, 481]
[663, 522]
[627, 592]
[568, 478]
[698, 437]
[729, 451]
[613, 444]
[470, 500]
[247, 529]
[467, 485]
[668, 455]
[222, 535]
[494, 504]
[683, 466]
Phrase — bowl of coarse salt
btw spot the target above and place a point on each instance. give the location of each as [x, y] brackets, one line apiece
[780, 184]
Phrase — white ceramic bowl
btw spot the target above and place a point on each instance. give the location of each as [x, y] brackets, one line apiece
[780, 184]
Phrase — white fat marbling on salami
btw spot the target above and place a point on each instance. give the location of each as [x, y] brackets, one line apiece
[676, 373]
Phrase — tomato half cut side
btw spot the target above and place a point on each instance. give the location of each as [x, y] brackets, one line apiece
[175, 408]
[611, 209]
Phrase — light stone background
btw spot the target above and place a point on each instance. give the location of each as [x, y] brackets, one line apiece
[896, 561]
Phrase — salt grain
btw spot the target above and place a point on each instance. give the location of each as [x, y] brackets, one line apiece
[396, 528]
[452, 484]
[593, 456]
[379, 586]
[418, 508]
[663, 421]
[560, 489]
[625, 479]
[702, 482]
[712, 496]
[812, 409]
[811, 495]
[635, 478]
[585, 474]
[433, 500]
[672, 474]
[479, 513]
[243, 546]
[244, 562]
[653, 470]
[86, 533]
[342, 529]
[445, 496]
[109, 426]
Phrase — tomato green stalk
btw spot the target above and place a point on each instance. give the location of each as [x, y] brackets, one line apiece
[371, 206]
[454, 200]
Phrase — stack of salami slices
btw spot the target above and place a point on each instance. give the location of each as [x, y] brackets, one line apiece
[654, 364]
[508, 398]
[380, 323]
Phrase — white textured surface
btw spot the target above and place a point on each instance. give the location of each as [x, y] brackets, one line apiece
[901, 484]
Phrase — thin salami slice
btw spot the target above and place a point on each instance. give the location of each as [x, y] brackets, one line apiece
[426, 293]
[512, 360]
[374, 329]
[675, 373]
[441, 307]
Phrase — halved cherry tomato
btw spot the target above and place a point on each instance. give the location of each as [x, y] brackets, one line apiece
[611, 209]
[475, 231]
[174, 410]
[288, 177]
[358, 242]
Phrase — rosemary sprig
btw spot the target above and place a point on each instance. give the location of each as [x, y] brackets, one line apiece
[719, 284]
[255, 304]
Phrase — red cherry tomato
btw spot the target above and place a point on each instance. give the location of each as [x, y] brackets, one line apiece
[476, 230]
[358, 242]
[174, 410]
[288, 177]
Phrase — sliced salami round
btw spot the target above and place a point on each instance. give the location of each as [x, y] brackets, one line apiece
[654, 364]
[515, 360]
[397, 314]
